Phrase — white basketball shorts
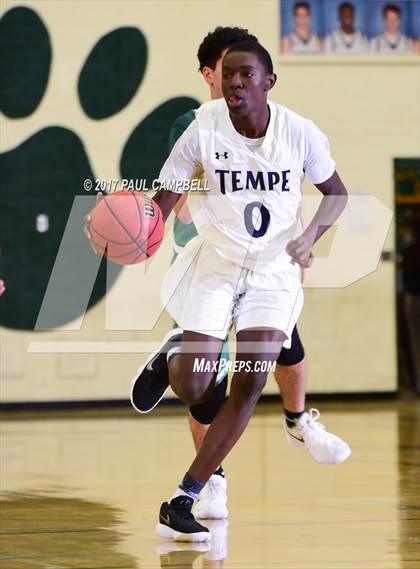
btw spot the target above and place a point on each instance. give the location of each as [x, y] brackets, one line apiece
[206, 293]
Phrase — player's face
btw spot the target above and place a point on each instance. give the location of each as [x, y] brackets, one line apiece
[346, 17]
[302, 18]
[392, 22]
[245, 82]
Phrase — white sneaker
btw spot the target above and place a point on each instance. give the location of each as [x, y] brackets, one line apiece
[324, 447]
[211, 503]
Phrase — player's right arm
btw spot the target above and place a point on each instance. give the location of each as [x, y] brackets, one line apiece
[166, 200]
[182, 165]
[178, 128]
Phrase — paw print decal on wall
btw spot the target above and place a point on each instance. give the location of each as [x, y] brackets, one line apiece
[41, 176]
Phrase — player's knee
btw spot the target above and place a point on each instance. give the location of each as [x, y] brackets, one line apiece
[193, 393]
[258, 382]
[253, 383]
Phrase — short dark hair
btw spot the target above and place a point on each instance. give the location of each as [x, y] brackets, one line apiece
[260, 51]
[303, 5]
[213, 45]
[344, 6]
[391, 8]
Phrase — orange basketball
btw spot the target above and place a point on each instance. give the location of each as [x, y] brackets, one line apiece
[126, 227]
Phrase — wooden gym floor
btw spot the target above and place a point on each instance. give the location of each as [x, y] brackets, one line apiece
[83, 489]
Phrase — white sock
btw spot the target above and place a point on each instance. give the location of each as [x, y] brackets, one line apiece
[181, 492]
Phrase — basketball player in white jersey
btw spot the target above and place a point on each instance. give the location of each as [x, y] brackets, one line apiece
[254, 154]
[392, 40]
[301, 428]
[302, 40]
[346, 39]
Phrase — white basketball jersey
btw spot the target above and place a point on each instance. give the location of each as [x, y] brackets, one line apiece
[251, 210]
[386, 44]
[339, 42]
[300, 46]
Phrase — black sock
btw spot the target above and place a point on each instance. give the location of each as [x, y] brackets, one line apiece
[220, 471]
[292, 417]
[191, 486]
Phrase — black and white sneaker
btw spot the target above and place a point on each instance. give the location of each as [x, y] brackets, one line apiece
[152, 378]
[177, 522]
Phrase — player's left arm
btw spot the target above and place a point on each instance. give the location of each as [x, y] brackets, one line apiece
[334, 201]
[320, 169]
[303, 225]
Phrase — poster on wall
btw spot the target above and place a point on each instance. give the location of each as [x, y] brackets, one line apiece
[334, 27]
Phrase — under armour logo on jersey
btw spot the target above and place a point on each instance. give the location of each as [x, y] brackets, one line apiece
[219, 154]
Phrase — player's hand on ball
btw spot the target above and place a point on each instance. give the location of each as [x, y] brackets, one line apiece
[125, 227]
[300, 251]
[88, 219]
